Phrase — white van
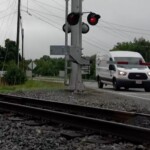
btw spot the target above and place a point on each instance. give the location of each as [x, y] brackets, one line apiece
[122, 69]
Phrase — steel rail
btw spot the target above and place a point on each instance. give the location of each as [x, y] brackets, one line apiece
[109, 114]
[129, 132]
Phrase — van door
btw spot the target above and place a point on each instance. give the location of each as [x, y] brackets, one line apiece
[112, 69]
[104, 68]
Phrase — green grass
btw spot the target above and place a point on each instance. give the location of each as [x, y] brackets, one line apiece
[32, 85]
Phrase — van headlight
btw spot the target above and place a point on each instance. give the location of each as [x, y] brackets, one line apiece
[148, 73]
[122, 73]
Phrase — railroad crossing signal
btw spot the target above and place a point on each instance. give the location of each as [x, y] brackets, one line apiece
[73, 18]
[93, 18]
[74, 21]
[64, 28]
[85, 28]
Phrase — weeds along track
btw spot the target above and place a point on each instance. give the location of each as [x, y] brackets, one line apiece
[129, 125]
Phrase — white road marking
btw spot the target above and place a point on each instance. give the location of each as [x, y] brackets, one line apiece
[129, 95]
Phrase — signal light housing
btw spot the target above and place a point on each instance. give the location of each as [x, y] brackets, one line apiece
[73, 18]
[93, 18]
[85, 28]
[64, 28]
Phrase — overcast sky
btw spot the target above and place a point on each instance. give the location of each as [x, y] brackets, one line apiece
[121, 20]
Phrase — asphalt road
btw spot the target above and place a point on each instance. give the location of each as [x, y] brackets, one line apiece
[134, 93]
[138, 94]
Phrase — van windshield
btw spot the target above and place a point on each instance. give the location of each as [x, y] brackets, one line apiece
[133, 62]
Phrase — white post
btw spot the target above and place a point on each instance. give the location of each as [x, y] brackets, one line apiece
[66, 43]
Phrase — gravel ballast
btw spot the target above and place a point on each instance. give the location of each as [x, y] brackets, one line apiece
[17, 135]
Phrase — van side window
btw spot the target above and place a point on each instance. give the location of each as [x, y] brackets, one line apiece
[110, 59]
[111, 66]
[104, 61]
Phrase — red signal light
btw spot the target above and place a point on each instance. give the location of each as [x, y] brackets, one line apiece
[93, 18]
[73, 18]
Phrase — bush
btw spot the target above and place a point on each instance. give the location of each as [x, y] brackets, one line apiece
[15, 76]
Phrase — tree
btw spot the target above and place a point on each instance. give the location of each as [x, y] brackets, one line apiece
[14, 75]
[47, 66]
[2, 57]
[8, 54]
[138, 45]
[11, 50]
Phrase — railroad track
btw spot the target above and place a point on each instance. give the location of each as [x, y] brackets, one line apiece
[102, 120]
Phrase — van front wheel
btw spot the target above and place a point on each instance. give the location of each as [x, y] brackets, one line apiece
[115, 85]
[147, 89]
[100, 84]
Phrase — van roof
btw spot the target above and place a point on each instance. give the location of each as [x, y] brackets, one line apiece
[125, 54]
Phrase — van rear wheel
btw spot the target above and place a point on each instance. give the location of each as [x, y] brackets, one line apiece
[115, 85]
[100, 84]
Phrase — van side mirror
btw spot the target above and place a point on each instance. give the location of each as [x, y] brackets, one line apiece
[112, 67]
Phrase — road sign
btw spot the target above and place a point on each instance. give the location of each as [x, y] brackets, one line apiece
[59, 49]
[85, 69]
[71, 51]
[32, 65]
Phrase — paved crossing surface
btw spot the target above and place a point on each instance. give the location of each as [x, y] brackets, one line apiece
[134, 93]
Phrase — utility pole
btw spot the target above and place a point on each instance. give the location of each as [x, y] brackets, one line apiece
[18, 31]
[76, 83]
[22, 48]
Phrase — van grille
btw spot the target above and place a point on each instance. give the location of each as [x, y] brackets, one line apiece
[139, 76]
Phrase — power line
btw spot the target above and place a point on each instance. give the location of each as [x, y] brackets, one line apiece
[97, 42]
[14, 2]
[3, 2]
[11, 22]
[52, 21]
[112, 33]
[90, 43]
[49, 13]
[8, 19]
[128, 31]
[58, 3]
[124, 35]
[45, 21]
[40, 12]
[45, 4]
[8, 15]
[9, 6]
[124, 26]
